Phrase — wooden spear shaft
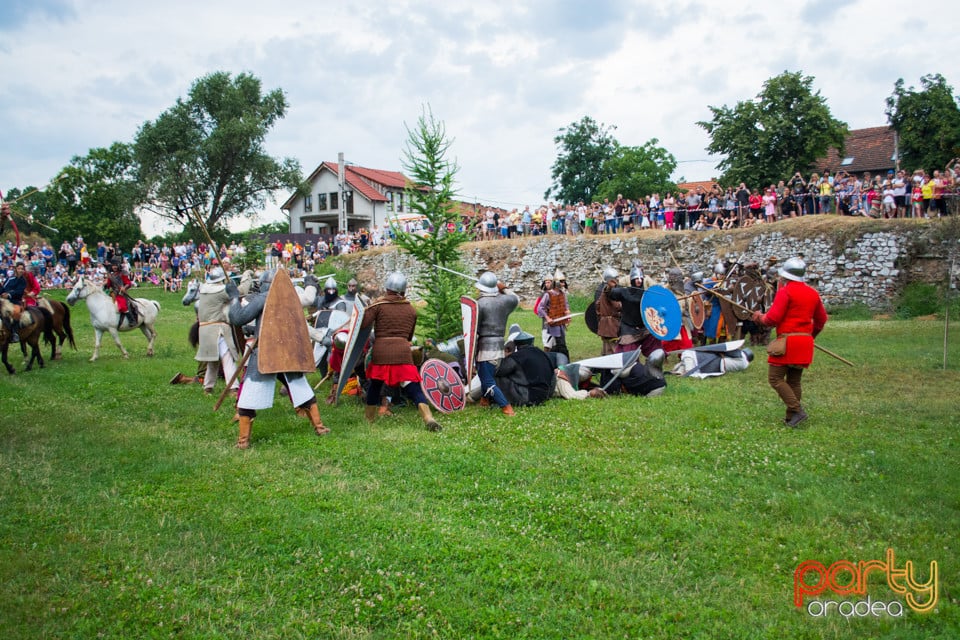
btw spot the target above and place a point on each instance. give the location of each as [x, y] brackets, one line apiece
[740, 306]
[236, 373]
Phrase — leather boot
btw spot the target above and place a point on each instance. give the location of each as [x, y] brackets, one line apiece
[313, 415]
[246, 425]
[508, 410]
[182, 379]
[370, 412]
[427, 415]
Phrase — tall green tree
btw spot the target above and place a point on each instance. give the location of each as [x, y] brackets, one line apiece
[430, 194]
[206, 153]
[97, 196]
[578, 171]
[927, 123]
[786, 128]
[638, 171]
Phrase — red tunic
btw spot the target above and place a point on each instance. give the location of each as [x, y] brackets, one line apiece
[32, 291]
[796, 309]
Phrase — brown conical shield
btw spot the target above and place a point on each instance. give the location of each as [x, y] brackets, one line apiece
[285, 345]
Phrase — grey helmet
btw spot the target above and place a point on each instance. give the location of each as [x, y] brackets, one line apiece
[266, 279]
[636, 273]
[719, 269]
[559, 276]
[697, 276]
[215, 275]
[487, 283]
[748, 352]
[396, 282]
[674, 277]
[793, 269]
[330, 283]
[610, 274]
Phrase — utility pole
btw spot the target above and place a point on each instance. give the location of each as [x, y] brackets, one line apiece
[341, 179]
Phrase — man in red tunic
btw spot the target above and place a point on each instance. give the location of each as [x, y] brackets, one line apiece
[118, 283]
[798, 314]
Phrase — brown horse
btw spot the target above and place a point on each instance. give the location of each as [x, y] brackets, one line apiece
[32, 323]
[61, 324]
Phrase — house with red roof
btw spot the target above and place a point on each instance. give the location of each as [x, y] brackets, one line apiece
[372, 196]
[873, 149]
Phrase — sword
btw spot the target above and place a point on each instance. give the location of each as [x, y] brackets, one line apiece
[566, 317]
[737, 304]
[246, 356]
[462, 275]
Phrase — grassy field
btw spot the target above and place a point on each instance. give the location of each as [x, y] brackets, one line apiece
[127, 513]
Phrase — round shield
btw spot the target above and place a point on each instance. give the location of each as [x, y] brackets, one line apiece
[698, 312]
[750, 291]
[590, 317]
[442, 386]
[661, 312]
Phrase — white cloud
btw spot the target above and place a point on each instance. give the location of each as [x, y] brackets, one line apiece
[504, 77]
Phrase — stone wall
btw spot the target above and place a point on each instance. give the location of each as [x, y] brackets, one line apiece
[848, 260]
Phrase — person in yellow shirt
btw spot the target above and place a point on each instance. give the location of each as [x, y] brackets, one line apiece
[826, 193]
[926, 190]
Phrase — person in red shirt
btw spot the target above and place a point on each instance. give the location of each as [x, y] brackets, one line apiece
[798, 314]
[31, 294]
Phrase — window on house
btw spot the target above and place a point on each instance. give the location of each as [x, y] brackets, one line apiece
[400, 202]
[349, 202]
[334, 200]
[321, 202]
[308, 203]
[847, 161]
[389, 200]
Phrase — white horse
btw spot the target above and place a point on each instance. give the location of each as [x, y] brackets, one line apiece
[105, 317]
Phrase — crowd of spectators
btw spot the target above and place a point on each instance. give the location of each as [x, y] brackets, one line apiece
[167, 265]
[894, 194]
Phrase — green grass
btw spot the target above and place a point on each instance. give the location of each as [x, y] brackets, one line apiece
[126, 512]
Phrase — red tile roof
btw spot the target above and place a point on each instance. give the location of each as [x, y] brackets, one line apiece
[706, 185]
[361, 180]
[869, 149]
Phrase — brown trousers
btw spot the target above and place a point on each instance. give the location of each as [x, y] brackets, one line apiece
[785, 380]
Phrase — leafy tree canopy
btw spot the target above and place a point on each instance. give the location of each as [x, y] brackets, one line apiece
[205, 155]
[927, 123]
[785, 129]
[96, 196]
[431, 194]
[579, 170]
[635, 172]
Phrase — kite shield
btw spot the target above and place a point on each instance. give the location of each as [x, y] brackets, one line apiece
[356, 340]
[285, 345]
[469, 314]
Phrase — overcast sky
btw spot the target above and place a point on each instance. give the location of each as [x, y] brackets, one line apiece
[502, 76]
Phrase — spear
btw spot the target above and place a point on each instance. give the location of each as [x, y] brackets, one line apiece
[740, 306]
[462, 275]
[246, 356]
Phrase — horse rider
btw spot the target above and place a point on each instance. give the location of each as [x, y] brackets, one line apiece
[13, 290]
[394, 320]
[216, 344]
[257, 390]
[494, 305]
[118, 283]
[31, 295]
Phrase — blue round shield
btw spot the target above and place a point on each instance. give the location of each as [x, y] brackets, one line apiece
[661, 313]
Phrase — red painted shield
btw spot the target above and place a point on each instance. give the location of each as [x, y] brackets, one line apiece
[442, 386]
[698, 313]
